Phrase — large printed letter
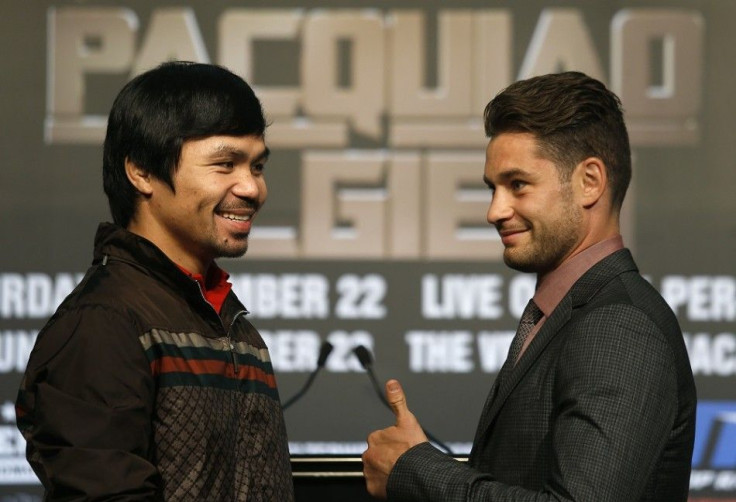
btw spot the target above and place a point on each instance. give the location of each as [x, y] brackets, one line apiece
[343, 205]
[664, 112]
[81, 41]
[452, 96]
[445, 115]
[561, 42]
[239, 30]
[492, 32]
[172, 34]
[363, 100]
[455, 223]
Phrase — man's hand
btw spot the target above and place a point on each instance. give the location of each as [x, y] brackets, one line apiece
[387, 445]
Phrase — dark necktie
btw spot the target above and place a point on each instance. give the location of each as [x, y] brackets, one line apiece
[529, 318]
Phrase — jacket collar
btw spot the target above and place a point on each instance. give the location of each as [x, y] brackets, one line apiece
[113, 242]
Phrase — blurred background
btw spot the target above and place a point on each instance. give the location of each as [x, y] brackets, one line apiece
[374, 233]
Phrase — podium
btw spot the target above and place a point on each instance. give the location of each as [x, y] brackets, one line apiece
[332, 478]
[329, 478]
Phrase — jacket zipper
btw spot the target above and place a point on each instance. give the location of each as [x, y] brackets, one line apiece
[229, 339]
[227, 331]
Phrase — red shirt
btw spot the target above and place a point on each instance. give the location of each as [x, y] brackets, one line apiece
[215, 287]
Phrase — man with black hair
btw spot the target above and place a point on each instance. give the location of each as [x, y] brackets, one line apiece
[596, 401]
[149, 383]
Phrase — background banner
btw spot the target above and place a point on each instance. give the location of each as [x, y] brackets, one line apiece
[374, 233]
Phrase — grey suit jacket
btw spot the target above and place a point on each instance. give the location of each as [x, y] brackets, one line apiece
[601, 407]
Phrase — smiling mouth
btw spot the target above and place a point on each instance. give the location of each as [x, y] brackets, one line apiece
[510, 236]
[236, 217]
[511, 231]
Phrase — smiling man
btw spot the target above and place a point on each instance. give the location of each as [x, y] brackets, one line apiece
[149, 383]
[596, 400]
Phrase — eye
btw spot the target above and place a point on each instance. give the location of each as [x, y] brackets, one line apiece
[258, 167]
[228, 164]
[517, 185]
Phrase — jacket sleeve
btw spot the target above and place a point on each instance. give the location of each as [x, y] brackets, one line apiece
[615, 402]
[85, 406]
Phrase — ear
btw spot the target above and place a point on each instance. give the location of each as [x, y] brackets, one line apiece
[138, 177]
[592, 181]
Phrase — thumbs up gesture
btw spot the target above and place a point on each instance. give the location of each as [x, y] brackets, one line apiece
[387, 445]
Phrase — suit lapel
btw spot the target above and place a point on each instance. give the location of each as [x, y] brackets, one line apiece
[580, 293]
[509, 376]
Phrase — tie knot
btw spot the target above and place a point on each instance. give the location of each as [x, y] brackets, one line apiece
[529, 318]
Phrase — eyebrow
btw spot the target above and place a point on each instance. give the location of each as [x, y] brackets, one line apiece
[225, 150]
[508, 174]
[263, 156]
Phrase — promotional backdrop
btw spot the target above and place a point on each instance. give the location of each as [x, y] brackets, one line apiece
[374, 233]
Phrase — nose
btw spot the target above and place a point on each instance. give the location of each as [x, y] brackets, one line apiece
[499, 209]
[250, 185]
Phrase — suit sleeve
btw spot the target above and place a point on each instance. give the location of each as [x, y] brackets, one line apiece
[615, 403]
[85, 407]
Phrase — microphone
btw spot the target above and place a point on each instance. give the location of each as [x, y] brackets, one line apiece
[324, 352]
[366, 361]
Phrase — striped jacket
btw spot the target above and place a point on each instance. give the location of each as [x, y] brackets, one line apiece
[137, 389]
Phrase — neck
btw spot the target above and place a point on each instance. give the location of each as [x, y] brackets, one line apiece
[190, 262]
[590, 255]
[595, 234]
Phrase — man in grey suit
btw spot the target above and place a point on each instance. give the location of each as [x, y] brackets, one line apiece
[596, 401]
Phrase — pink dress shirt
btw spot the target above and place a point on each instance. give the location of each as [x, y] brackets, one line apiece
[553, 287]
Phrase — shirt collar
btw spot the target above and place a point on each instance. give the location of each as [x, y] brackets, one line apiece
[215, 287]
[553, 287]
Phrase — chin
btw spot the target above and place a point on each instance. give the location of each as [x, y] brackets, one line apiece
[232, 251]
[520, 263]
[527, 268]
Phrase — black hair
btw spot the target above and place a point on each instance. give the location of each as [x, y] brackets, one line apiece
[158, 110]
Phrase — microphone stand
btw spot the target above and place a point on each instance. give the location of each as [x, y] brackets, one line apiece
[324, 351]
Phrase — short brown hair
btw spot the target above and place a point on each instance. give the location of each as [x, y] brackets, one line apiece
[572, 116]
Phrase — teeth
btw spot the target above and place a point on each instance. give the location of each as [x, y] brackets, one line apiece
[236, 217]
